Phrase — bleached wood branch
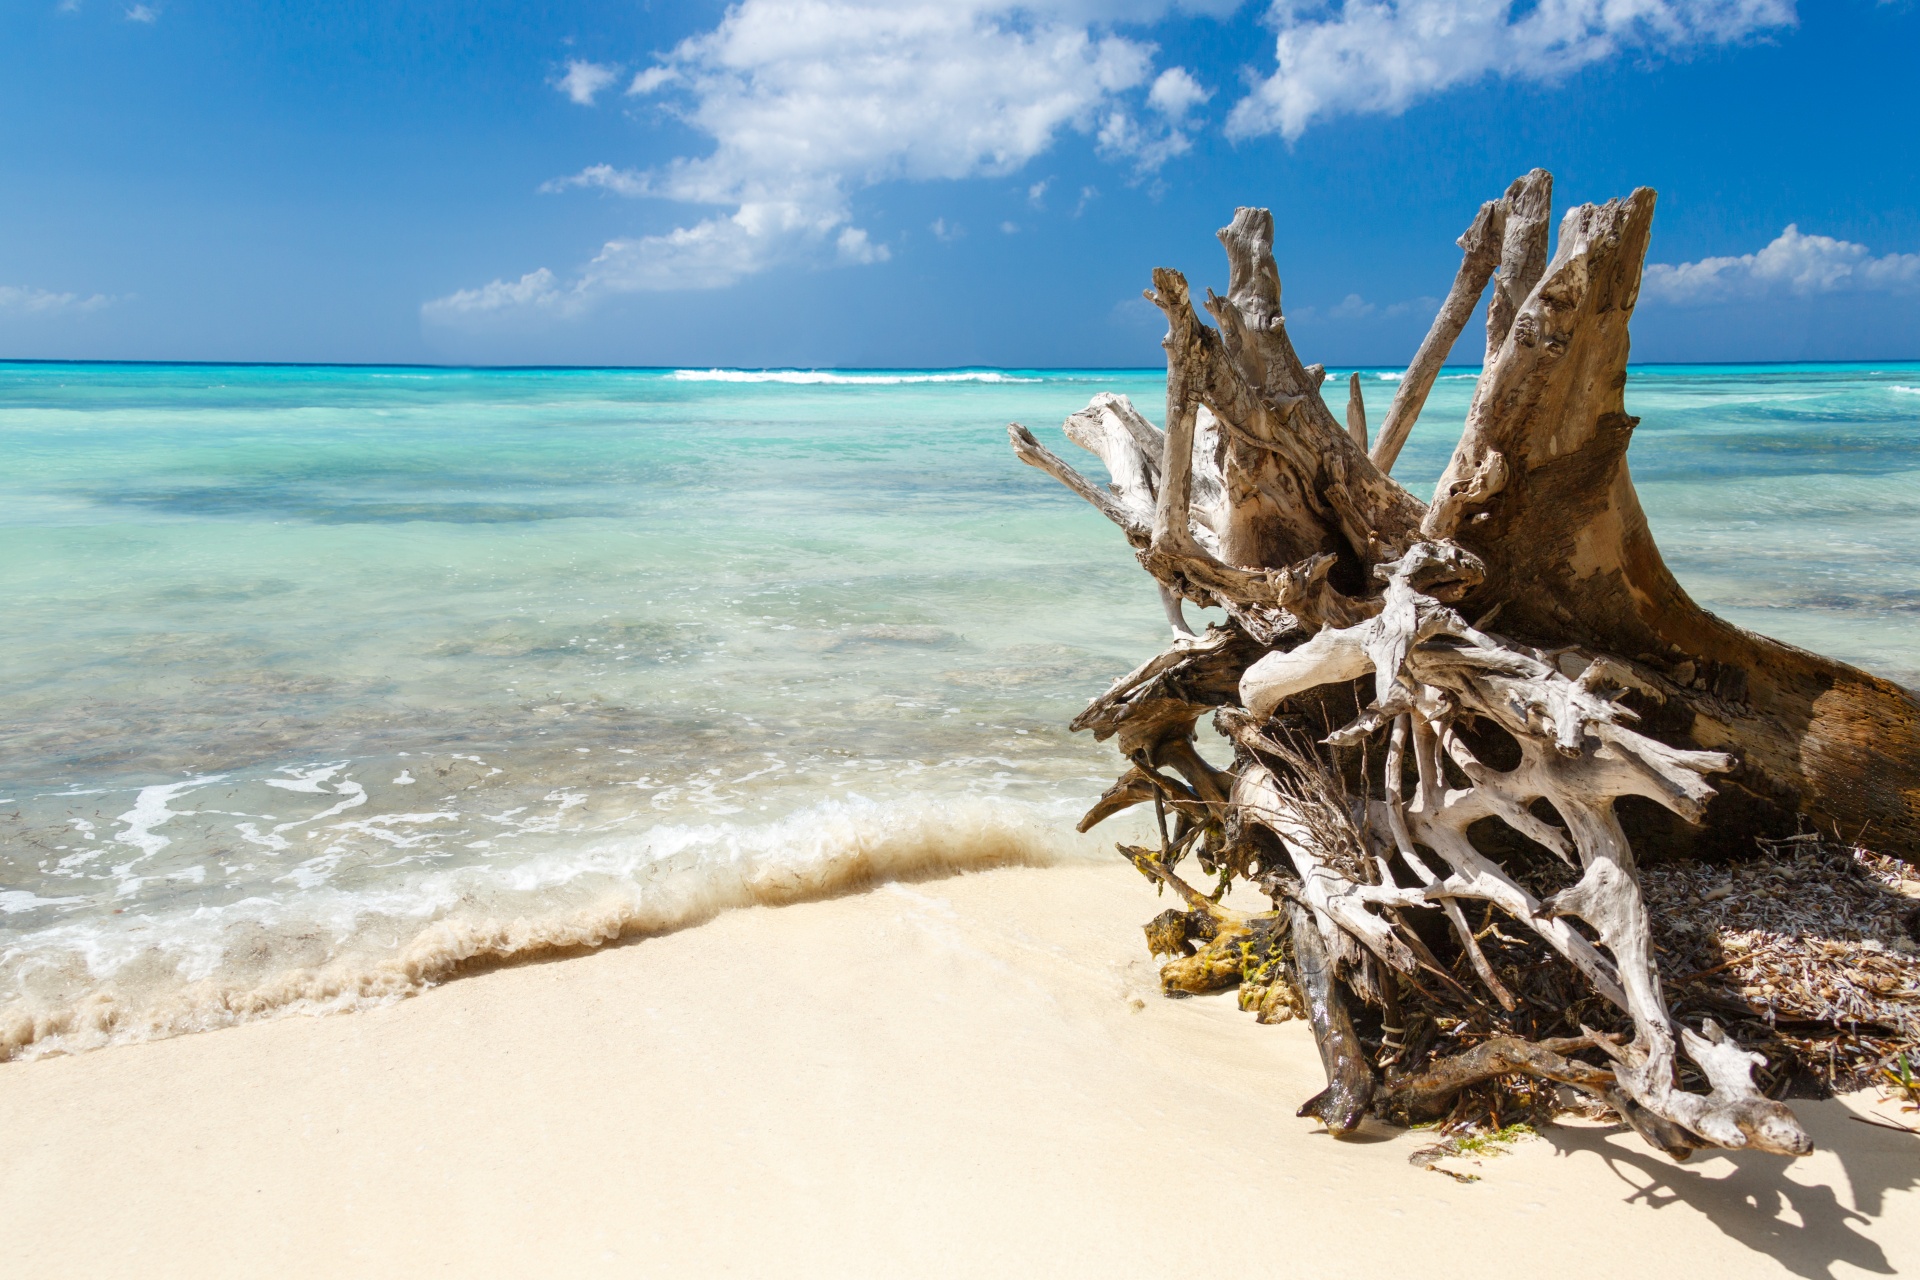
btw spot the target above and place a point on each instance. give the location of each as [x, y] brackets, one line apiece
[1347, 602]
[1523, 253]
[1480, 254]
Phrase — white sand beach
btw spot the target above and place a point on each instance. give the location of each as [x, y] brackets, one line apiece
[619, 621]
[972, 1075]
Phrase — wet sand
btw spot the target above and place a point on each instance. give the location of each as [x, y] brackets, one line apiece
[965, 1076]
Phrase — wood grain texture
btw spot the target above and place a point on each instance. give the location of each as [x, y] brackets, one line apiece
[1377, 647]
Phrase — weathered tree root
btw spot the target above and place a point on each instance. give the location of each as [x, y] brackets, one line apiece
[1427, 1095]
[1383, 727]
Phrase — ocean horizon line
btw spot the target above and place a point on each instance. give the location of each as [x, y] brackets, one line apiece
[670, 369]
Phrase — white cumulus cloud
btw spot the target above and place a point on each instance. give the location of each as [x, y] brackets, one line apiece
[805, 103]
[1176, 92]
[809, 101]
[26, 300]
[1174, 95]
[584, 80]
[1794, 264]
[1381, 56]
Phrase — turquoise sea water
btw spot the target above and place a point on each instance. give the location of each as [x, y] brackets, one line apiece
[318, 680]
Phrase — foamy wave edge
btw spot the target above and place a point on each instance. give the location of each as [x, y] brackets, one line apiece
[820, 853]
[813, 377]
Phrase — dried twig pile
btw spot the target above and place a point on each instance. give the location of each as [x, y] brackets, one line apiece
[1809, 954]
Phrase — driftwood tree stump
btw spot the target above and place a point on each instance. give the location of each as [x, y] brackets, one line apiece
[1427, 702]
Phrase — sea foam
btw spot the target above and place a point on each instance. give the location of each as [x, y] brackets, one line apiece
[92, 982]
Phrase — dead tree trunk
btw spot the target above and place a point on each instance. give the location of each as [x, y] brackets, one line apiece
[1570, 561]
[1401, 681]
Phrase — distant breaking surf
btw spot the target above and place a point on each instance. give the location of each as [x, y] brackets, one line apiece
[817, 377]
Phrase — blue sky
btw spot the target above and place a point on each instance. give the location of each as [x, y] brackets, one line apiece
[921, 182]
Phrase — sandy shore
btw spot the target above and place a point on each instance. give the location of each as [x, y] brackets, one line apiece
[966, 1076]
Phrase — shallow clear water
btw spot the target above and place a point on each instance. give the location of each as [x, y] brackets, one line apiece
[318, 680]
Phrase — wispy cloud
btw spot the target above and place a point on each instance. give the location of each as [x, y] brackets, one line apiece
[1422, 305]
[536, 289]
[25, 300]
[1353, 308]
[1381, 56]
[854, 246]
[809, 101]
[709, 255]
[584, 80]
[652, 80]
[142, 13]
[1793, 265]
[624, 182]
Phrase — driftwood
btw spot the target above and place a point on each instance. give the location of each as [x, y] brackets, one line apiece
[1431, 705]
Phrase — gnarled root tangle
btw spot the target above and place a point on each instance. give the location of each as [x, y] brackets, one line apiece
[1452, 723]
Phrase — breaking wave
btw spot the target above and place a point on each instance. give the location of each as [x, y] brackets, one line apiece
[815, 377]
[95, 982]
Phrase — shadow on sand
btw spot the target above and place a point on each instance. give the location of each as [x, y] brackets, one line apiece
[1806, 1227]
